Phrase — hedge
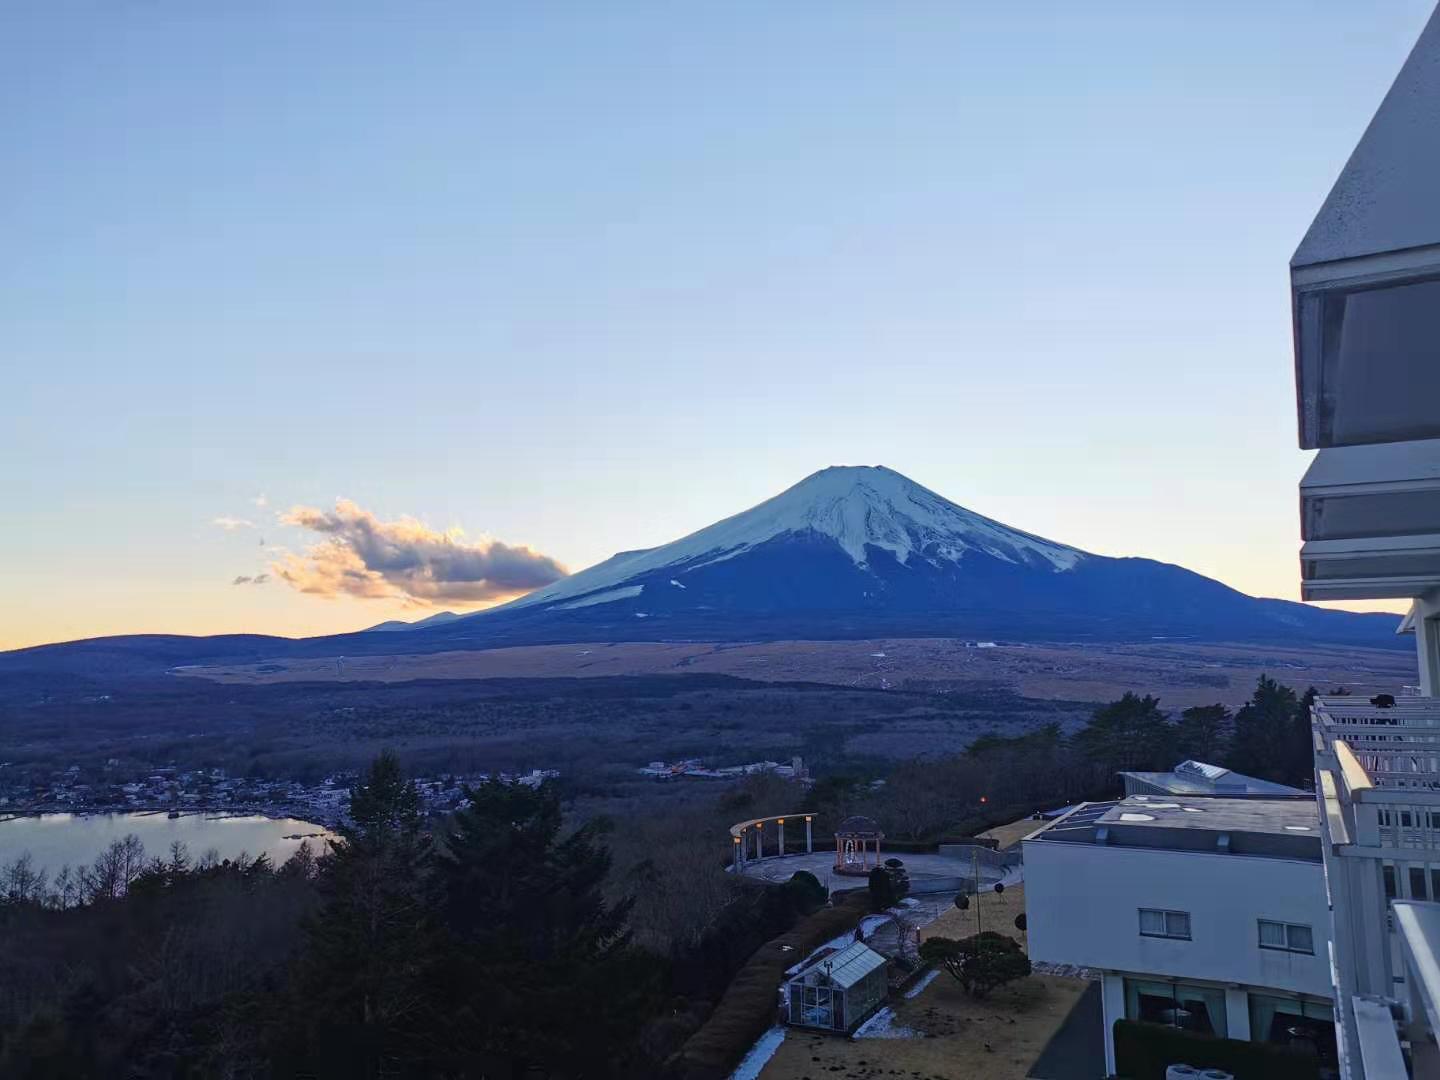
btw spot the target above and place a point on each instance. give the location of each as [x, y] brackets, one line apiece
[748, 1008]
[1144, 1051]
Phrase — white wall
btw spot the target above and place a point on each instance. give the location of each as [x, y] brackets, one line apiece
[1082, 902]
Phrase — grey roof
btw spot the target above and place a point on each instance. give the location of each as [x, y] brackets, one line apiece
[1385, 199]
[1201, 778]
[848, 966]
[1275, 828]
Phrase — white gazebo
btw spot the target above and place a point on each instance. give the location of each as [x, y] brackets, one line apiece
[857, 846]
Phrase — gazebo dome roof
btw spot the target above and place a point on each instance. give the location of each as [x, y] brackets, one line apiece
[860, 828]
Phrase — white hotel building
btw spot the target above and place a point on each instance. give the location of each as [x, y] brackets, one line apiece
[1207, 914]
[1366, 302]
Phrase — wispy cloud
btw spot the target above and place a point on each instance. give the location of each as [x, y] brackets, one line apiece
[365, 557]
[230, 524]
[260, 500]
[251, 579]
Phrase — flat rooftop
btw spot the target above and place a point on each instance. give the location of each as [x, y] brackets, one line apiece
[1273, 828]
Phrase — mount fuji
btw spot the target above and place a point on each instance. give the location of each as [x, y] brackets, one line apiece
[853, 552]
[847, 553]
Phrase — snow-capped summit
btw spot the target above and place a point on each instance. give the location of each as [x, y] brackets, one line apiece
[864, 509]
[863, 552]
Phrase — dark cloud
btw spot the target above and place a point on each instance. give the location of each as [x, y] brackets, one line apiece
[251, 579]
[365, 557]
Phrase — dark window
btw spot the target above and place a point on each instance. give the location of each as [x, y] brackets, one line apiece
[1155, 922]
[1389, 872]
[1417, 883]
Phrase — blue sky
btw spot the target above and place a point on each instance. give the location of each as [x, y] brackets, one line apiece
[586, 277]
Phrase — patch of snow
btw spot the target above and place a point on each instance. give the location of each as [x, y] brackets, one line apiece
[919, 987]
[878, 655]
[676, 584]
[642, 614]
[759, 1055]
[859, 507]
[602, 598]
[883, 1026]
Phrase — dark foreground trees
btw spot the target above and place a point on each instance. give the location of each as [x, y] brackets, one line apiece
[483, 951]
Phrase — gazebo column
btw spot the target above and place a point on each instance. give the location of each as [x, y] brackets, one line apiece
[782, 836]
[737, 854]
[809, 842]
[759, 842]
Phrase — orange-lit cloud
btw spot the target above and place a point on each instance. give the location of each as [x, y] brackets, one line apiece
[406, 560]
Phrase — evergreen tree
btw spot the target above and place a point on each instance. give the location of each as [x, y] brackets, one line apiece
[1272, 734]
[366, 984]
[541, 970]
[1131, 733]
[1204, 733]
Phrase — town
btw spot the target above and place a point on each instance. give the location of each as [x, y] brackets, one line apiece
[173, 790]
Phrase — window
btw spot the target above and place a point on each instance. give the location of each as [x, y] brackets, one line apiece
[1181, 1005]
[1388, 870]
[1287, 937]
[1171, 924]
[1417, 883]
[1299, 1022]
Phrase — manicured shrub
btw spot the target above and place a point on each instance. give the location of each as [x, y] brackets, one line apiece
[1145, 1051]
[806, 890]
[748, 1007]
[979, 963]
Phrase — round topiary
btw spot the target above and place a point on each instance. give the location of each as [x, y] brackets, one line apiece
[999, 887]
[962, 902]
[1020, 921]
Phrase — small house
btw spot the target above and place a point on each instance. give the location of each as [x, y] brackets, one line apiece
[838, 991]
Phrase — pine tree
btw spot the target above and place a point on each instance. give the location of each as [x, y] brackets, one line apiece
[1131, 733]
[1270, 741]
[366, 981]
[1204, 733]
[541, 967]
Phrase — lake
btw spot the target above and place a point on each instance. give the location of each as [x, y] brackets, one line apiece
[57, 839]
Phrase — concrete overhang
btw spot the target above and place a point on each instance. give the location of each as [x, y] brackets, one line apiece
[1365, 280]
[1370, 568]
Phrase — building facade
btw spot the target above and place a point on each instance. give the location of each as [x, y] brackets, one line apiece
[1208, 914]
[1365, 287]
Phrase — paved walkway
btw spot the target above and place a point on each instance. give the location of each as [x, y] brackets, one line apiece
[937, 873]
[1077, 1050]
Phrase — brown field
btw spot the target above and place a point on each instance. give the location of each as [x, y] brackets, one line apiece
[1181, 674]
[998, 1038]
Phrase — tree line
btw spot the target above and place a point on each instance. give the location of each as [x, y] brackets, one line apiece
[998, 778]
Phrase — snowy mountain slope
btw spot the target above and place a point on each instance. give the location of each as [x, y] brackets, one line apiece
[846, 554]
[864, 510]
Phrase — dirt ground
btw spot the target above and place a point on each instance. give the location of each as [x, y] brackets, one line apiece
[986, 912]
[956, 1036]
[1012, 834]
